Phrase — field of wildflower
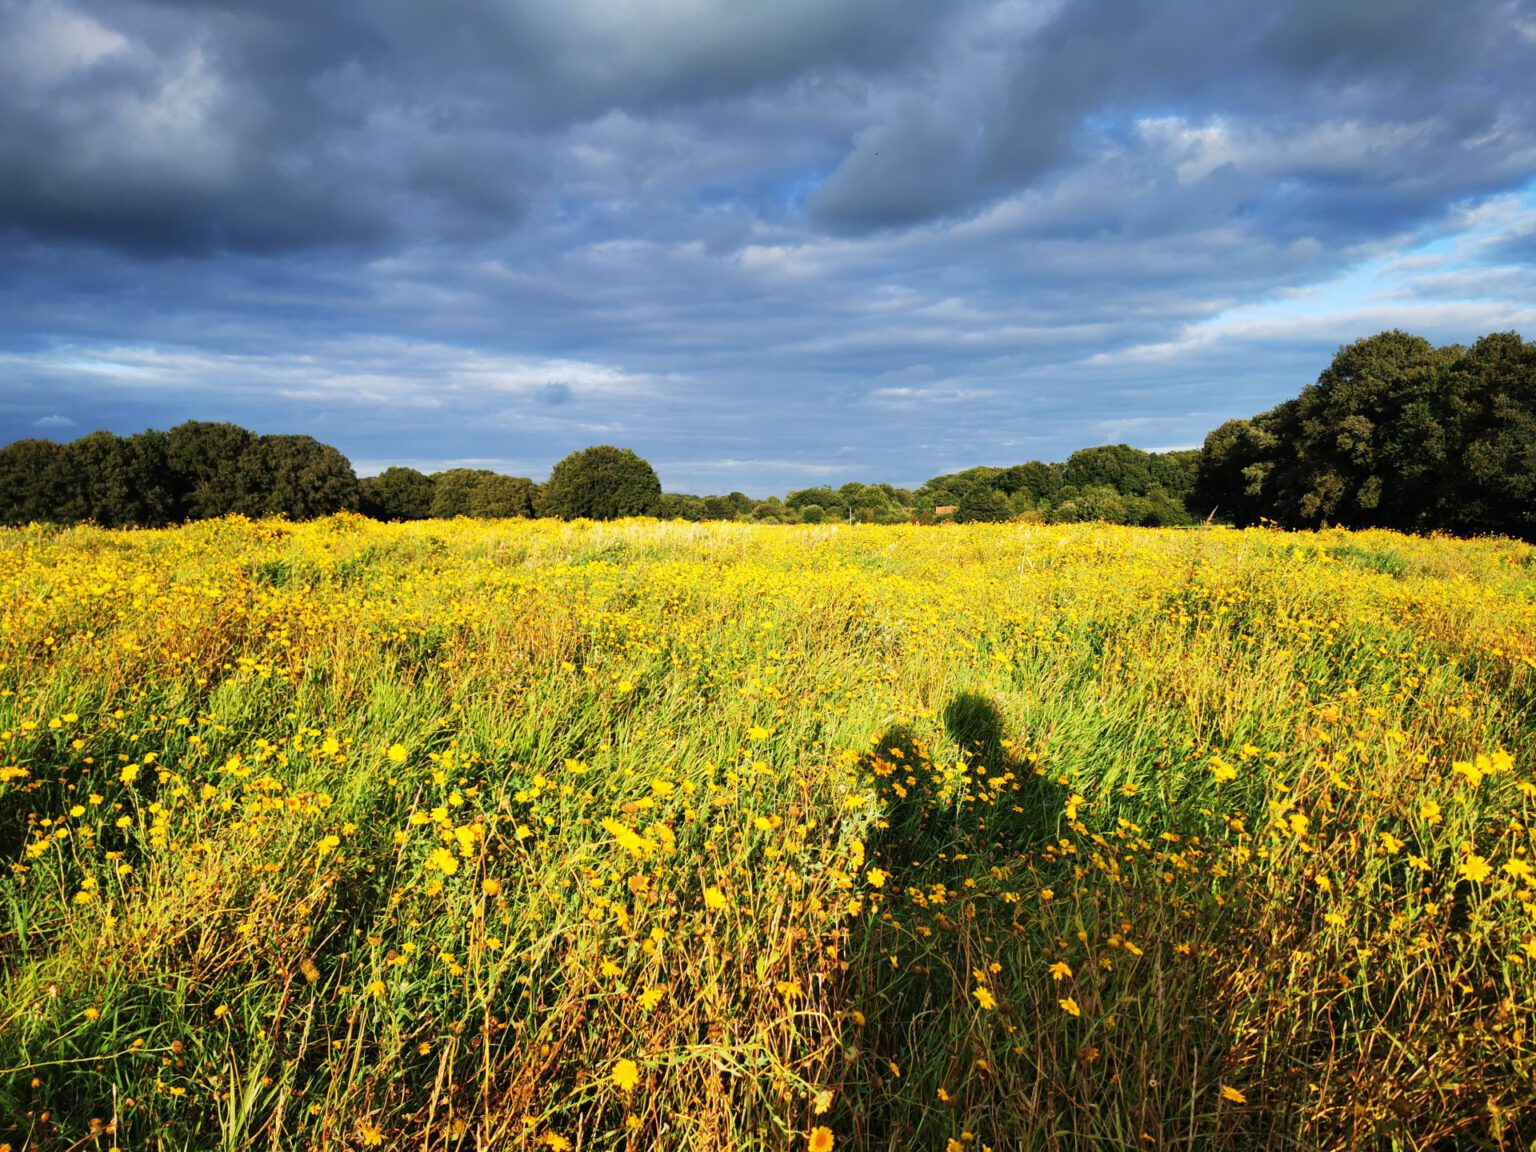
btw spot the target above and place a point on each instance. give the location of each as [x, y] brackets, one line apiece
[468, 835]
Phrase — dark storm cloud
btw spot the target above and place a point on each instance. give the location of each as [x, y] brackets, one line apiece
[1393, 69]
[766, 245]
[164, 125]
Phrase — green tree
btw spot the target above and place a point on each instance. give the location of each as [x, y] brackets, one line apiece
[719, 508]
[207, 463]
[772, 511]
[982, 504]
[453, 491]
[1363, 446]
[1491, 487]
[825, 498]
[1096, 503]
[34, 482]
[119, 482]
[680, 506]
[397, 494]
[297, 477]
[601, 483]
[1231, 477]
[1175, 472]
[1395, 433]
[498, 497]
[1120, 467]
[1037, 483]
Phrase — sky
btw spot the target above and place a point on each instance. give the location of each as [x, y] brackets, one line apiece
[765, 245]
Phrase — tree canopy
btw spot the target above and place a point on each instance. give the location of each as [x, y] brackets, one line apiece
[601, 483]
[1395, 433]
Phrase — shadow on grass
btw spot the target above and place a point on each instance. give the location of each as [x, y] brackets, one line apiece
[910, 969]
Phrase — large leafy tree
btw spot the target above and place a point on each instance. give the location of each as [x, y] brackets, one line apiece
[482, 493]
[208, 466]
[601, 483]
[982, 504]
[1366, 443]
[1125, 469]
[1231, 478]
[453, 490]
[1494, 478]
[34, 482]
[1036, 483]
[1395, 433]
[397, 494]
[119, 482]
[498, 497]
[297, 477]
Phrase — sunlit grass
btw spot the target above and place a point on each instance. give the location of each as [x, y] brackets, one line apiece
[536, 835]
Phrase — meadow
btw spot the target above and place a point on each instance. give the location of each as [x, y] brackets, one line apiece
[545, 836]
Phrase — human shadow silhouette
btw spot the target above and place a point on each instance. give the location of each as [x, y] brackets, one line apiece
[991, 797]
[942, 823]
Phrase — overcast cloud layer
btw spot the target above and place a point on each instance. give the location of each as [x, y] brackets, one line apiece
[765, 245]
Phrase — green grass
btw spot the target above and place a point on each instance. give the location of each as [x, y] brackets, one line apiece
[353, 833]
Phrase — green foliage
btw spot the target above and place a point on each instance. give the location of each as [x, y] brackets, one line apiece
[1112, 483]
[1098, 502]
[982, 504]
[680, 506]
[499, 497]
[601, 483]
[1395, 433]
[297, 477]
[480, 493]
[1125, 470]
[206, 461]
[1175, 472]
[1038, 483]
[719, 508]
[196, 471]
[33, 481]
[452, 491]
[1234, 462]
[949, 489]
[397, 494]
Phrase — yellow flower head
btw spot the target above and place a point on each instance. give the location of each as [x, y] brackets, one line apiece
[626, 1074]
[1475, 868]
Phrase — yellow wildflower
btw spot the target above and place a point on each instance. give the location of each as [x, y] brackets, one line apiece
[1475, 868]
[626, 1074]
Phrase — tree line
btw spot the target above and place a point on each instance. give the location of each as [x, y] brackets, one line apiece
[1394, 433]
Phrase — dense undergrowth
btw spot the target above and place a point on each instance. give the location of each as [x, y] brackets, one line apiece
[539, 835]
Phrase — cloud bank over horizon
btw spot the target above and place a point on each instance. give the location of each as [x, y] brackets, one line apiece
[765, 246]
